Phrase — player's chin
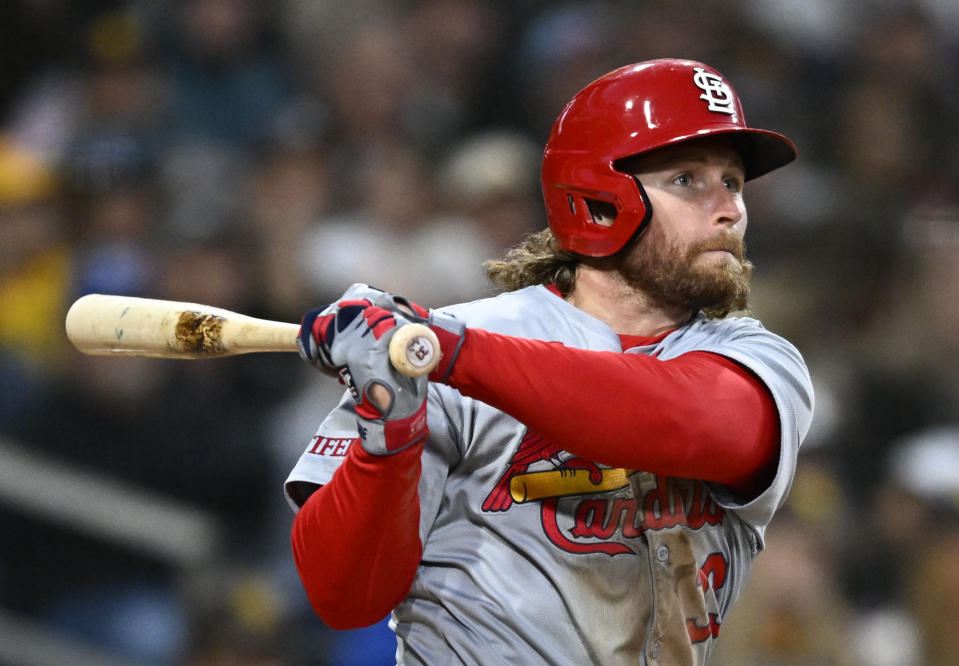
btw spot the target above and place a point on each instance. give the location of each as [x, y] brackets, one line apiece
[720, 266]
[717, 258]
[724, 277]
[719, 292]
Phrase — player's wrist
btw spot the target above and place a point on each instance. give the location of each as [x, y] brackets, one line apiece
[385, 437]
[451, 332]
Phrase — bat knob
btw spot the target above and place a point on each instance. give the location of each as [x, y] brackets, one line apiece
[414, 350]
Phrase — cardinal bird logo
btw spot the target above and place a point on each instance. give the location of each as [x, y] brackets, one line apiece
[579, 511]
[569, 476]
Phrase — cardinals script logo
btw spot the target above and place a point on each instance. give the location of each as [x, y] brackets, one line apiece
[586, 508]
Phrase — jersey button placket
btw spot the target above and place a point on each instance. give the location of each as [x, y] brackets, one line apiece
[662, 553]
[662, 556]
[654, 650]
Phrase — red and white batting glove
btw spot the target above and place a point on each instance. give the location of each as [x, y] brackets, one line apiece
[317, 332]
[350, 339]
[449, 330]
[354, 341]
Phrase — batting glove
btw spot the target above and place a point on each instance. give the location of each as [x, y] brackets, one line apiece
[449, 330]
[352, 338]
[317, 332]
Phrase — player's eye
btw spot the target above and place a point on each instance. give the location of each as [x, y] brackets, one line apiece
[683, 178]
[733, 184]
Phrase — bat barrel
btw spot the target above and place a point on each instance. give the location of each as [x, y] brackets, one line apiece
[100, 324]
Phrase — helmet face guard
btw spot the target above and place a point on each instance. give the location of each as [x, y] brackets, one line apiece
[629, 111]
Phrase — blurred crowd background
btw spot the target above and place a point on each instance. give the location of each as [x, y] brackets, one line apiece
[261, 156]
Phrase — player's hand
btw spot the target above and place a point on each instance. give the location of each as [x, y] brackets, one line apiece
[317, 331]
[314, 338]
[450, 332]
[352, 337]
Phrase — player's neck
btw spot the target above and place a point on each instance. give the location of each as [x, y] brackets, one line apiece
[604, 294]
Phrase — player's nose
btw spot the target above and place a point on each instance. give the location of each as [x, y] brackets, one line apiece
[725, 205]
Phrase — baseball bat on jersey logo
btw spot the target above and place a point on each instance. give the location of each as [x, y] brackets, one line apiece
[533, 486]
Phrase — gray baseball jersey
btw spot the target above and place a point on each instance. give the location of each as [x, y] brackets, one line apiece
[530, 560]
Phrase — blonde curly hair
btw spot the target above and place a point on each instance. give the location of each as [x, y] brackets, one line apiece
[537, 259]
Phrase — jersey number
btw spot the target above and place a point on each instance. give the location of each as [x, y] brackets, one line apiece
[712, 576]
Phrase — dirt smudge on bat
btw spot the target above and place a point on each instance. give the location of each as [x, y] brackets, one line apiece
[199, 333]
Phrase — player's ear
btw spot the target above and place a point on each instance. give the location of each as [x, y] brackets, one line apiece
[603, 212]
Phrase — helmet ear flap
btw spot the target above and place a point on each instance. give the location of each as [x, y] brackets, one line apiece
[620, 221]
[593, 212]
[644, 213]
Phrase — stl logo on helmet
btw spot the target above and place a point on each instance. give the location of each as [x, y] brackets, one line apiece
[716, 92]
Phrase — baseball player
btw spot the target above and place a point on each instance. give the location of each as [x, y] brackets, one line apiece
[587, 475]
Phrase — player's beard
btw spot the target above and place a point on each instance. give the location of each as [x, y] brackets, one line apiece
[670, 276]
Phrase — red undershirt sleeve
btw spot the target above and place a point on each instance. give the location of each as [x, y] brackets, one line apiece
[699, 416]
[356, 539]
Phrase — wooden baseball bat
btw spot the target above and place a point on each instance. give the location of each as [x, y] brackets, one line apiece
[106, 325]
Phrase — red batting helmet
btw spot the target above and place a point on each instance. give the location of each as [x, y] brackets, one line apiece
[632, 110]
